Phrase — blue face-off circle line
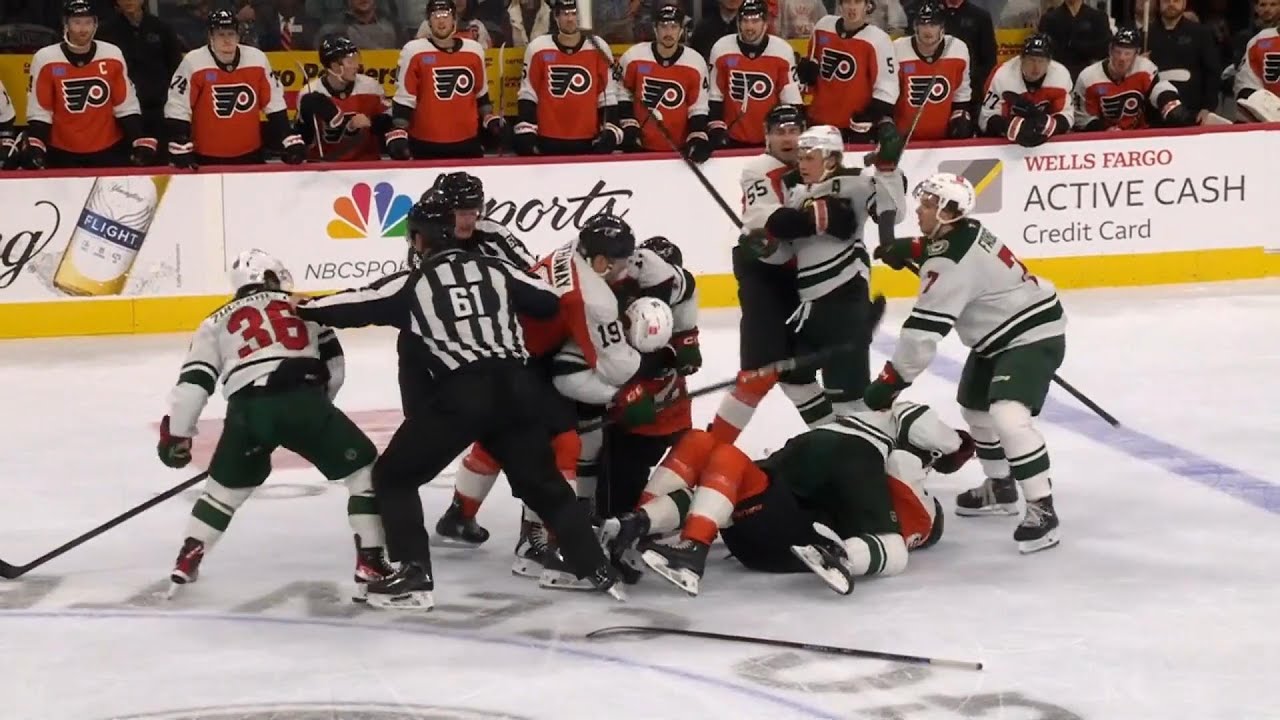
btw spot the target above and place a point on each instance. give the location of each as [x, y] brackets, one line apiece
[555, 647]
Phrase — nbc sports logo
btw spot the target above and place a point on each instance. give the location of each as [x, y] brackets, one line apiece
[367, 213]
[985, 175]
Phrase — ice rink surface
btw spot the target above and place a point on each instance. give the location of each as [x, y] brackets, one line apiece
[1161, 601]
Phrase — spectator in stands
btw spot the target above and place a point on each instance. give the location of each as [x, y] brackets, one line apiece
[1187, 56]
[1080, 34]
[30, 12]
[797, 17]
[889, 16]
[151, 51]
[714, 26]
[331, 12]
[532, 18]
[366, 27]
[282, 25]
[25, 29]
[972, 24]
[1266, 14]
[190, 23]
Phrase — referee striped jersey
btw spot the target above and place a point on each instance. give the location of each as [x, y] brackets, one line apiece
[462, 306]
[495, 240]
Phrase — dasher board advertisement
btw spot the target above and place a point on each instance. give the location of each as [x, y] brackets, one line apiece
[121, 236]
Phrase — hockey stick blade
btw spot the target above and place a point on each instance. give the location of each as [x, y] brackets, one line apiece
[812, 647]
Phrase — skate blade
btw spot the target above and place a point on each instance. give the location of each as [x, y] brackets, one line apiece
[451, 542]
[997, 510]
[527, 567]
[683, 579]
[1051, 539]
[360, 593]
[418, 600]
[172, 592]
[835, 578]
[616, 592]
[557, 580]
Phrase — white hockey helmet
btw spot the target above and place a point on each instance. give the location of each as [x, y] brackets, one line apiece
[955, 194]
[825, 138]
[649, 324]
[251, 267]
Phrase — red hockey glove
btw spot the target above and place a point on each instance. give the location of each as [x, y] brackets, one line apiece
[688, 354]
[882, 391]
[955, 460]
[174, 451]
[633, 406]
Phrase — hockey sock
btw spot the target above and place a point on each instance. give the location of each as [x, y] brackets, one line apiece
[213, 510]
[362, 508]
[811, 400]
[1028, 457]
[667, 512]
[986, 442]
[474, 479]
[737, 408]
[730, 476]
[586, 461]
[681, 466]
[883, 554]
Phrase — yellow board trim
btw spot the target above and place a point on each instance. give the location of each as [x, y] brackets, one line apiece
[174, 314]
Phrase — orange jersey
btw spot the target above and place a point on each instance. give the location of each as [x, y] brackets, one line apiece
[1104, 102]
[746, 83]
[1053, 95]
[942, 83]
[853, 69]
[224, 104]
[1260, 69]
[81, 96]
[675, 408]
[362, 97]
[446, 89]
[677, 86]
[569, 85]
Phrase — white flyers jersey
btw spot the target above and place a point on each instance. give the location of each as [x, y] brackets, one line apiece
[972, 281]
[673, 285]
[1106, 103]
[241, 344]
[1260, 66]
[1053, 95]
[762, 191]
[7, 113]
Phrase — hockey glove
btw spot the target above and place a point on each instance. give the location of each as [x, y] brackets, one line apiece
[960, 126]
[901, 251]
[791, 223]
[1020, 105]
[631, 135]
[882, 391]
[182, 155]
[493, 126]
[956, 459]
[293, 150]
[398, 144]
[758, 243]
[174, 451]
[889, 148]
[608, 140]
[9, 157]
[143, 152]
[525, 139]
[33, 155]
[808, 71]
[717, 134]
[1030, 131]
[697, 147]
[688, 354]
[318, 107]
[1174, 114]
[634, 406]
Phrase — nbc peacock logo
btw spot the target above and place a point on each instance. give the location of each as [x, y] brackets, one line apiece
[369, 213]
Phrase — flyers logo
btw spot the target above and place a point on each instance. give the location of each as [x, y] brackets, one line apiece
[81, 94]
[231, 99]
[1270, 67]
[836, 65]
[565, 80]
[1122, 105]
[452, 82]
[750, 85]
[662, 94]
[937, 89]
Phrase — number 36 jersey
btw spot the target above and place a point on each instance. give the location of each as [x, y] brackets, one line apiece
[241, 344]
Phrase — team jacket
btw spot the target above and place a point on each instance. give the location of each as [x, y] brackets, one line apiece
[220, 107]
[855, 73]
[1104, 102]
[1052, 96]
[746, 82]
[677, 86]
[941, 81]
[442, 94]
[81, 103]
[568, 92]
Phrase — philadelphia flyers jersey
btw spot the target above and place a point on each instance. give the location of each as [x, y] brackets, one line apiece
[1260, 68]
[1053, 95]
[447, 90]
[942, 82]
[677, 86]
[7, 113]
[362, 97]
[223, 104]
[1118, 103]
[81, 96]
[854, 68]
[746, 83]
[563, 89]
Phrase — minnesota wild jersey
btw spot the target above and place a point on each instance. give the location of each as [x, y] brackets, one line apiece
[972, 281]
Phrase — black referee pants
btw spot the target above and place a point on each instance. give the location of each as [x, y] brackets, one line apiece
[496, 403]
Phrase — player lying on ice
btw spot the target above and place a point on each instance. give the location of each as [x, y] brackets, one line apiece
[844, 500]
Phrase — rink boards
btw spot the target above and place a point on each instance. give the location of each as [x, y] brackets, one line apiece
[138, 253]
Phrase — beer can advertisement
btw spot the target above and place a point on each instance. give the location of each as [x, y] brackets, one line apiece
[113, 236]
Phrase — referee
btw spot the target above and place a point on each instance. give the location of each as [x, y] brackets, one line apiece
[462, 307]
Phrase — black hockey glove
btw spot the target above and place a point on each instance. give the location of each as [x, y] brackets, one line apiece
[960, 126]
[836, 217]
[525, 139]
[494, 127]
[717, 134]
[790, 223]
[143, 152]
[807, 71]
[398, 144]
[182, 155]
[608, 140]
[697, 147]
[9, 156]
[33, 155]
[631, 135]
[316, 107]
[293, 150]
[1020, 105]
[1175, 114]
[1030, 131]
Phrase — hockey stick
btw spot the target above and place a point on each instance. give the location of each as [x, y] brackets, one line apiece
[502, 88]
[10, 572]
[812, 647]
[315, 122]
[697, 171]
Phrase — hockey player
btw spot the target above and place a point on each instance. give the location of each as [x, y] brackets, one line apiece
[441, 106]
[751, 73]
[465, 194]
[671, 77]
[279, 374]
[933, 71]
[1015, 328]
[215, 100]
[568, 103]
[1114, 94]
[843, 500]
[342, 114]
[1259, 75]
[1028, 97]
[8, 136]
[850, 71]
[82, 110]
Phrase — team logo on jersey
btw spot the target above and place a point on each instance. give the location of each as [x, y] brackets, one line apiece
[451, 82]
[660, 93]
[750, 85]
[234, 98]
[565, 80]
[1126, 104]
[934, 89]
[370, 212]
[837, 65]
[1270, 67]
[81, 94]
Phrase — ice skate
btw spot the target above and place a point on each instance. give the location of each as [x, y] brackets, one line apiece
[1039, 527]
[187, 567]
[620, 536]
[828, 559]
[681, 564]
[455, 530]
[371, 566]
[532, 550]
[409, 588]
[995, 496]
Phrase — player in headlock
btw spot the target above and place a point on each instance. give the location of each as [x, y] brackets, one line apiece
[216, 98]
[844, 500]
[342, 114]
[568, 103]
[933, 74]
[1015, 328]
[850, 71]
[442, 107]
[279, 374]
[751, 73]
[1121, 91]
[82, 110]
[671, 77]
[1028, 98]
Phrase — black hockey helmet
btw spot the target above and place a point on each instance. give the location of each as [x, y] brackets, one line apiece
[431, 218]
[221, 20]
[669, 14]
[333, 48]
[438, 6]
[929, 13]
[784, 115]
[1038, 45]
[607, 235]
[1127, 37]
[664, 249]
[78, 8]
[462, 190]
[559, 6]
[753, 9]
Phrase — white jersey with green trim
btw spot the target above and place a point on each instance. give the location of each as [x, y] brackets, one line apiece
[906, 426]
[241, 344]
[972, 281]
